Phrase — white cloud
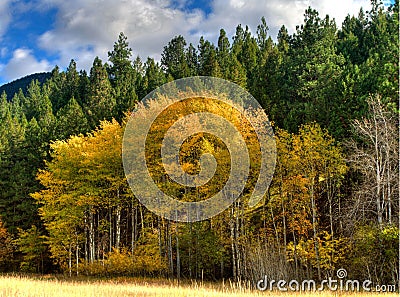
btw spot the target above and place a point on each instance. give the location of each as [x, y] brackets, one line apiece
[88, 28]
[5, 16]
[228, 14]
[23, 63]
[338, 9]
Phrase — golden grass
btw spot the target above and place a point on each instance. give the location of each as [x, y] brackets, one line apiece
[13, 286]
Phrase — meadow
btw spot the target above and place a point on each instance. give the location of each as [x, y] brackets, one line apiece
[12, 286]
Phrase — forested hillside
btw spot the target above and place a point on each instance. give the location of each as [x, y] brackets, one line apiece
[13, 87]
[331, 92]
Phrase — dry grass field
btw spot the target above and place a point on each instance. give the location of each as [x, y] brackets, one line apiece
[13, 286]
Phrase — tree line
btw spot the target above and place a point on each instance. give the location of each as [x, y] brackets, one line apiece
[332, 95]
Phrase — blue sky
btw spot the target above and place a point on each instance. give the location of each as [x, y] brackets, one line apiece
[36, 35]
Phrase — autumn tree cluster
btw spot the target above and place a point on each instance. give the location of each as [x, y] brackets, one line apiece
[332, 94]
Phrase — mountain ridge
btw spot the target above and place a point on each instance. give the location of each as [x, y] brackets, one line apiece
[13, 87]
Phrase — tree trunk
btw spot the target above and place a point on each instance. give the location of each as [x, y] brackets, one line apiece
[295, 256]
[99, 245]
[70, 260]
[237, 232]
[110, 235]
[77, 258]
[314, 225]
[275, 229]
[133, 226]
[190, 249]
[141, 217]
[169, 248]
[91, 236]
[86, 238]
[159, 227]
[233, 247]
[284, 225]
[178, 260]
[118, 227]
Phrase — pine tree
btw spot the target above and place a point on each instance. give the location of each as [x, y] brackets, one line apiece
[381, 69]
[313, 69]
[208, 63]
[4, 115]
[100, 102]
[173, 58]
[71, 120]
[237, 73]
[262, 38]
[56, 84]
[72, 83]
[154, 76]
[122, 76]
[283, 40]
[249, 53]
[351, 38]
[19, 160]
[262, 82]
[192, 60]
[223, 55]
